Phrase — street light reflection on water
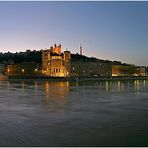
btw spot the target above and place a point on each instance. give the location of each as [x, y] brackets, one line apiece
[56, 91]
[90, 113]
[61, 89]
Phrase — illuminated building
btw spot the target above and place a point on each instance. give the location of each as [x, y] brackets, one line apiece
[117, 70]
[55, 63]
[128, 70]
[58, 64]
[140, 71]
[22, 69]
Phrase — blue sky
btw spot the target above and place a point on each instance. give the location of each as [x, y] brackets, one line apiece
[107, 30]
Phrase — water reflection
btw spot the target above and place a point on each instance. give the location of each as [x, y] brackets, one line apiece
[89, 110]
[118, 83]
[144, 82]
[107, 86]
[8, 85]
[56, 93]
[137, 86]
[35, 86]
[122, 86]
[23, 85]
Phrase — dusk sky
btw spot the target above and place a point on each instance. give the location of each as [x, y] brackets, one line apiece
[107, 30]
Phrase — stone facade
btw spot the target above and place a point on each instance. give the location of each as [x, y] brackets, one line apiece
[90, 68]
[55, 63]
[23, 69]
[58, 64]
[128, 70]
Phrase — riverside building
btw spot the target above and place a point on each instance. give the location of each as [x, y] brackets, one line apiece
[90, 67]
[55, 63]
[58, 64]
[23, 69]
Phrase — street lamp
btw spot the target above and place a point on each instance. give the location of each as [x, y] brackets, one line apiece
[23, 70]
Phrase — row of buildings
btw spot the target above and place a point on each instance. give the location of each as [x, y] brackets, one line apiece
[55, 63]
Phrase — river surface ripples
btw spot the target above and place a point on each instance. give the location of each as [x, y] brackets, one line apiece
[91, 113]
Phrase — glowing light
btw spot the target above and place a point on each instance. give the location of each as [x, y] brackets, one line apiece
[36, 70]
[107, 86]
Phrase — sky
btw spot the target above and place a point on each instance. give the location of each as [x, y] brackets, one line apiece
[107, 30]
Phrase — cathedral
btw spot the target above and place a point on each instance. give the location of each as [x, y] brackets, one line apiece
[55, 63]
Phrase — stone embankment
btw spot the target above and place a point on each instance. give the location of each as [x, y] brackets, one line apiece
[115, 78]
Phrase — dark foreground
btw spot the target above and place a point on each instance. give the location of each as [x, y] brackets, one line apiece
[74, 113]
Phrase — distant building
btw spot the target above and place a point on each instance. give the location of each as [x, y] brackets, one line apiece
[55, 63]
[128, 70]
[123, 70]
[116, 70]
[140, 71]
[23, 69]
[2, 69]
[58, 64]
[89, 67]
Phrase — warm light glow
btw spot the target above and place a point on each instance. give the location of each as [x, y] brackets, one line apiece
[8, 70]
[36, 70]
[107, 86]
[119, 85]
[137, 85]
[46, 86]
[144, 82]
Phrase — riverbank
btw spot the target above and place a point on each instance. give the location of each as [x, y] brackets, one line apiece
[116, 78]
[112, 78]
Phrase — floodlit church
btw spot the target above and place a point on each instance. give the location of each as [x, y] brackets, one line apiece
[55, 63]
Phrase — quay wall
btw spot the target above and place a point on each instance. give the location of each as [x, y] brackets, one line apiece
[111, 78]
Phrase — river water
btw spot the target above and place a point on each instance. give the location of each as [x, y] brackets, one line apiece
[42, 113]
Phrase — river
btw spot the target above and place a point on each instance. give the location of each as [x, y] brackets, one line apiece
[92, 113]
